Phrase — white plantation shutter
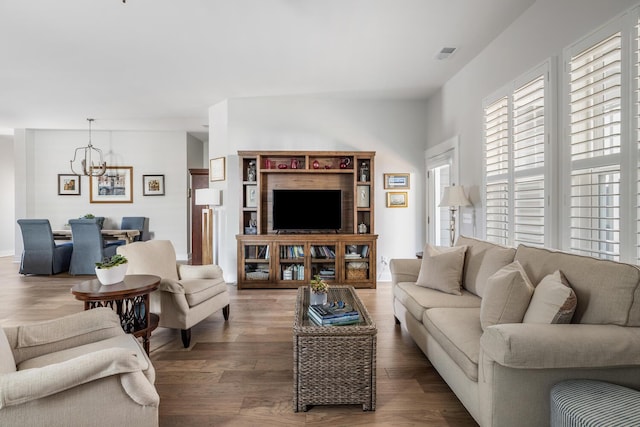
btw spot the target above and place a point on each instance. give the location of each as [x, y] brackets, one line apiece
[496, 137]
[528, 163]
[595, 141]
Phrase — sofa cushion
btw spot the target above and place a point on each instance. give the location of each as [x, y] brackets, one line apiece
[506, 297]
[482, 259]
[442, 268]
[7, 361]
[607, 291]
[417, 298]
[553, 301]
[458, 332]
[199, 290]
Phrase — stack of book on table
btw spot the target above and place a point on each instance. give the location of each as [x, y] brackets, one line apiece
[333, 314]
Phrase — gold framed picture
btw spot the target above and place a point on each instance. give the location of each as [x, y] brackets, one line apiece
[397, 199]
[217, 169]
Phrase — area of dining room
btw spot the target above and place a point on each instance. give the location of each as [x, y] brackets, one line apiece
[78, 246]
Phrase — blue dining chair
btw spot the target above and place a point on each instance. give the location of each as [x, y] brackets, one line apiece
[136, 223]
[89, 246]
[41, 254]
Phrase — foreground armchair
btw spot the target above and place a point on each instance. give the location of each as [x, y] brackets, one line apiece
[80, 369]
[187, 294]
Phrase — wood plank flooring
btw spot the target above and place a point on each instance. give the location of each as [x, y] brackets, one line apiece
[239, 373]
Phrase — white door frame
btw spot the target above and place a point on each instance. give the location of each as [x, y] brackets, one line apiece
[448, 148]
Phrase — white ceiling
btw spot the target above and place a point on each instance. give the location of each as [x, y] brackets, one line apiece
[159, 64]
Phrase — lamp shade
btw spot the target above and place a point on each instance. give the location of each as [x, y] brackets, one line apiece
[454, 196]
[208, 196]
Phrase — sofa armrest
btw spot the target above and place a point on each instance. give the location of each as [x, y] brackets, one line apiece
[35, 339]
[20, 387]
[538, 346]
[404, 270]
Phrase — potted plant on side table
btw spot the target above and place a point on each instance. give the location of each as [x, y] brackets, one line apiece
[112, 270]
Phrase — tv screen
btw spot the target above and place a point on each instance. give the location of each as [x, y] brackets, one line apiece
[307, 210]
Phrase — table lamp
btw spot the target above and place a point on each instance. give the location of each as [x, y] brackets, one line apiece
[209, 197]
[452, 197]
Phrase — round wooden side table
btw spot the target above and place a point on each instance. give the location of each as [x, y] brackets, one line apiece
[129, 298]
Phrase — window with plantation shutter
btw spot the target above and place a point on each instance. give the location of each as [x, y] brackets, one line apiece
[528, 163]
[595, 124]
[496, 124]
[515, 139]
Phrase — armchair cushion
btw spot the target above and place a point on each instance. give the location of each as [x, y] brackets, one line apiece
[19, 387]
[199, 290]
[209, 271]
[157, 257]
[7, 362]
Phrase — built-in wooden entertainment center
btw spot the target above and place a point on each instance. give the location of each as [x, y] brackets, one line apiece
[269, 258]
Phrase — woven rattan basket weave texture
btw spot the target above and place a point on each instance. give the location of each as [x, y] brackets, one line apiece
[334, 364]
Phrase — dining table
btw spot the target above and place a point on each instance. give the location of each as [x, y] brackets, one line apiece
[108, 234]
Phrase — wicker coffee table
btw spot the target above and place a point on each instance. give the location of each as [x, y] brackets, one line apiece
[333, 365]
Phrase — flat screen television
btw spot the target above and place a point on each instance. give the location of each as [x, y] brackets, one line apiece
[307, 210]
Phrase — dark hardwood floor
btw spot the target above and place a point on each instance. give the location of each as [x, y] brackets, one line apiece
[239, 373]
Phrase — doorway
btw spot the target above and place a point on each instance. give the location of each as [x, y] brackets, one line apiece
[198, 178]
[442, 171]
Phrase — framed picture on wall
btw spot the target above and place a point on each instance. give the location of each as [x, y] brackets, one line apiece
[68, 185]
[216, 169]
[153, 185]
[397, 199]
[115, 186]
[396, 181]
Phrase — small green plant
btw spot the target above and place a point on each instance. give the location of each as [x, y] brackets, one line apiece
[88, 216]
[319, 286]
[115, 260]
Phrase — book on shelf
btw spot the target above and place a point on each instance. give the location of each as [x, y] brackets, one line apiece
[322, 251]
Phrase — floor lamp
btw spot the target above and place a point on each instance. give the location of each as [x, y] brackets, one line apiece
[452, 197]
[209, 197]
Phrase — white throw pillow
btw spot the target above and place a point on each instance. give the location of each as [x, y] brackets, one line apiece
[506, 296]
[442, 268]
[553, 301]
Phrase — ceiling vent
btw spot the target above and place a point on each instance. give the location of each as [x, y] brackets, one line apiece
[445, 52]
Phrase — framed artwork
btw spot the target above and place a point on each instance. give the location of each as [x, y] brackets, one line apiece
[153, 185]
[115, 186]
[396, 181]
[216, 169]
[397, 199]
[251, 196]
[68, 185]
[362, 193]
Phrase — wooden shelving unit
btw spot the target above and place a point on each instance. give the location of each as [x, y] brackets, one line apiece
[270, 260]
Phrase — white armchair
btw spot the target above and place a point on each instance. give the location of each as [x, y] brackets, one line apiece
[80, 369]
[187, 294]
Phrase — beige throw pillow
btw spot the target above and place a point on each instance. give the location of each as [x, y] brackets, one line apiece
[442, 268]
[506, 296]
[553, 301]
[494, 260]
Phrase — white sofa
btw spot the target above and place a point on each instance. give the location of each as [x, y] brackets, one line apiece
[503, 375]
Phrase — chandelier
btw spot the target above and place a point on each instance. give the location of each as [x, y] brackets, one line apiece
[88, 168]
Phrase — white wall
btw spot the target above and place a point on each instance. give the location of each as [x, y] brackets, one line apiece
[394, 129]
[7, 196]
[541, 32]
[43, 154]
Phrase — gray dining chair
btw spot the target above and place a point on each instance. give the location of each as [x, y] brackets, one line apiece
[136, 223]
[41, 254]
[89, 246]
